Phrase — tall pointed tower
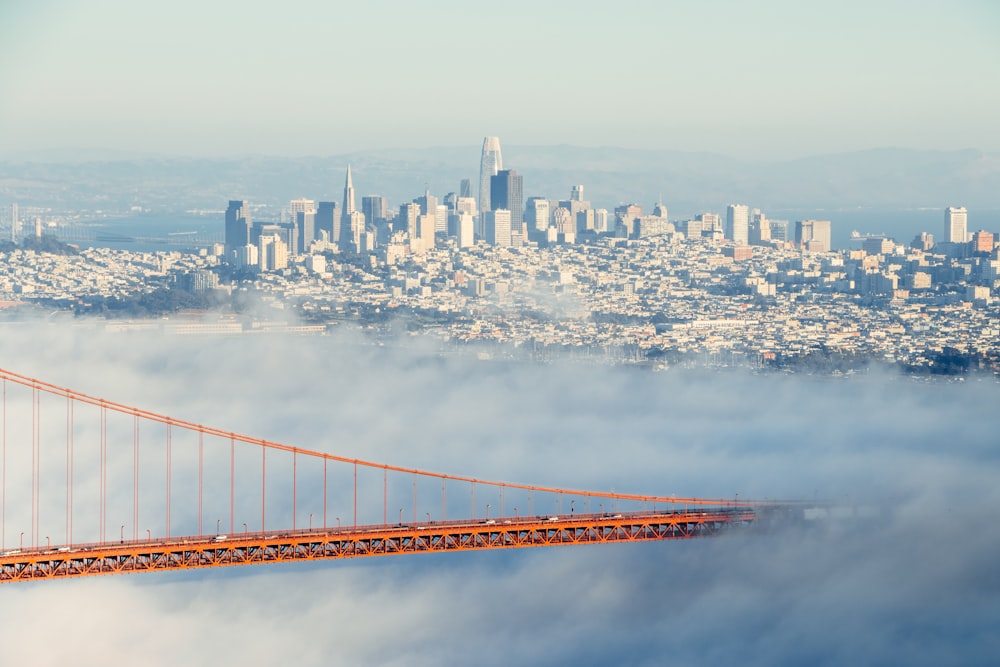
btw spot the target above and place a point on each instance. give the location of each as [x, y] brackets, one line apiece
[491, 163]
[352, 224]
[348, 195]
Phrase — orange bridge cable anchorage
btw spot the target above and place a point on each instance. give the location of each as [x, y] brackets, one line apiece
[122, 408]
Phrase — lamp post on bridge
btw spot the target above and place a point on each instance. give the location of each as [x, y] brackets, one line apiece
[121, 535]
[487, 511]
[338, 522]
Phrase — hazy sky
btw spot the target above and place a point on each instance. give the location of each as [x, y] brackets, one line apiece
[784, 78]
[917, 585]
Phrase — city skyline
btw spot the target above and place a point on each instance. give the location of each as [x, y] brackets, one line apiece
[505, 218]
[777, 80]
[653, 290]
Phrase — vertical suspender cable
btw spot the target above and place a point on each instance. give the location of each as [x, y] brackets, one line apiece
[168, 479]
[34, 454]
[104, 470]
[263, 486]
[3, 500]
[38, 469]
[201, 480]
[72, 431]
[135, 477]
[232, 482]
[295, 482]
[69, 402]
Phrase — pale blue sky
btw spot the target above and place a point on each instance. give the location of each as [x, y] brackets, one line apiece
[775, 79]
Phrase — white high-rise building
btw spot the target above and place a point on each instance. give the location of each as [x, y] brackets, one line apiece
[441, 219]
[956, 225]
[490, 164]
[14, 223]
[460, 226]
[426, 224]
[406, 220]
[246, 257]
[272, 253]
[738, 223]
[537, 214]
[498, 230]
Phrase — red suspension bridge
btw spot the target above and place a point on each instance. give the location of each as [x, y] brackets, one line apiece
[116, 489]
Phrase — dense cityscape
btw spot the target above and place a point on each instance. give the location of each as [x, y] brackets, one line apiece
[539, 278]
[543, 333]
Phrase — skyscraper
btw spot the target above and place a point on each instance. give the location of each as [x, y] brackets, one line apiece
[956, 223]
[352, 229]
[297, 206]
[14, 223]
[351, 220]
[237, 225]
[272, 253]
[348, 207]
[328, 220]
[465, 188]
[982, 241]
[460, 227]
[538, 213]
[305, 223]
[507, 192]
[490, 163]
[738, 223]
[466, 205]
[303, 216]
[760, 228]
[813, 235]
[375, 208]
[428, 203]
[498, 230]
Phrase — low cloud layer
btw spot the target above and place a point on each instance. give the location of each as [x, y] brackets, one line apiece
[912, 581]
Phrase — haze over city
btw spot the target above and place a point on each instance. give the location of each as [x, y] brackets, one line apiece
[678, 355]
[780, 79]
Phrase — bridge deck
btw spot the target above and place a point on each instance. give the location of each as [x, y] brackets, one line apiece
[375, 540]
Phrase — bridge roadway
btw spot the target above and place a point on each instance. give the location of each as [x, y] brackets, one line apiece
[247, 548]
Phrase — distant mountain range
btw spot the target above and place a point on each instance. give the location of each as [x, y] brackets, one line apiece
[687, 182]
